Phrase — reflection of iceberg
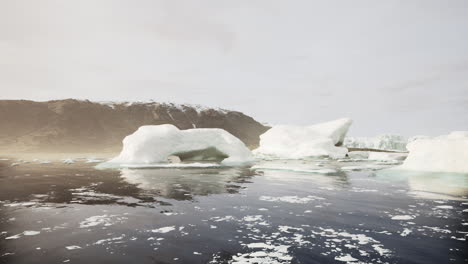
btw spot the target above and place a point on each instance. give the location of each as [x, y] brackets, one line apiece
[430, 185]
[185, 184]
[441, 154]
[323, 172]
[295, 142]
[155, 144]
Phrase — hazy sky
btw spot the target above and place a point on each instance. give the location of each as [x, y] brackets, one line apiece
[392, 66]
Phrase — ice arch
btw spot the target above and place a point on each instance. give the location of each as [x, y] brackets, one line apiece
[155, 144]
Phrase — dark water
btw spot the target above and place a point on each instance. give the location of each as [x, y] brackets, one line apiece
[318, 211]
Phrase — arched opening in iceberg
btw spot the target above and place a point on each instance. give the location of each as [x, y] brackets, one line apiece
[162, 144]
[207, 154]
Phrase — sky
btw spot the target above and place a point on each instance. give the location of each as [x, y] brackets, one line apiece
[392, 66]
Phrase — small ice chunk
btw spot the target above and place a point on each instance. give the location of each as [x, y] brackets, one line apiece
[72, 247]
[165, 229]
[31, 233]
[346, 258]
[444, 207]
[402, 217]
[291, 199]
[405, 232]
[68, 161]
[13, 237]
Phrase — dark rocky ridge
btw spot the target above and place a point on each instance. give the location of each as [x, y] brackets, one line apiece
[84, 126]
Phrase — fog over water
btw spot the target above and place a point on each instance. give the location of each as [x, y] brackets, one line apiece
[393, 66]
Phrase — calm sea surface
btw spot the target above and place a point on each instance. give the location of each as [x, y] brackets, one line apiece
[314, 211]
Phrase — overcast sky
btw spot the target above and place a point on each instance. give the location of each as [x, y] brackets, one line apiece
[393, 66]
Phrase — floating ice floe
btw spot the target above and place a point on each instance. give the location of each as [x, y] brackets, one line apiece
[165, 229]
[93, 160]
[358, 154]
[264, 253]
[447, 153]
[31, 233]
[25, 233]
[405, 232]
[383, 142]
[173, 165]
[108, 241]
[402, 217]
[72, 247]
[157, 144]
[105, 220]
[68, 161]
[291, 199]
[363, 167]
[346, 258]
[295, 169]
[444, 207]
[296, 142]
[13, 237]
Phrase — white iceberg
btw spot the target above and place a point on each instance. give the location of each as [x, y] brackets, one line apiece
[159, 143]
[387, 156]
[414, 138]
[295, 142]
[358, 154]
[447, 153]
[383, 142]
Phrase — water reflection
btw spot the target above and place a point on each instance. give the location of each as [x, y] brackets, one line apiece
[83, 184]
[185, 184]
[429, 185]
[323, 172]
